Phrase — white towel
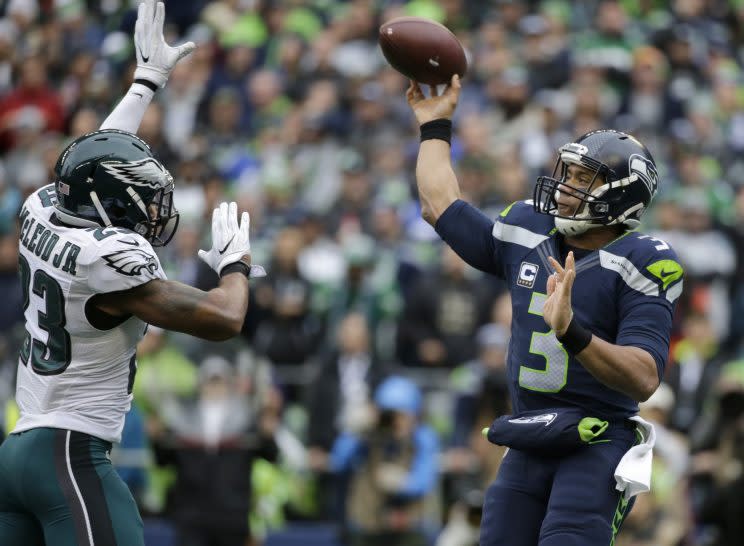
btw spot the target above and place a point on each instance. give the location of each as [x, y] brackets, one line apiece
[633, 472]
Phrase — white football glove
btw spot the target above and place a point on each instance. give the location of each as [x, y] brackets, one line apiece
[230, 242]
[155, 58]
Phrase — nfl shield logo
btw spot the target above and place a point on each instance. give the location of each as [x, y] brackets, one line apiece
[527, 274]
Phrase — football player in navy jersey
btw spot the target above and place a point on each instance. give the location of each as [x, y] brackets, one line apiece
[592, 313]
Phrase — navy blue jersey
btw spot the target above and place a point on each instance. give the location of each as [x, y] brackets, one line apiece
[623, 293]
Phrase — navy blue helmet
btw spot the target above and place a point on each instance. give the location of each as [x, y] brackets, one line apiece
[624, 182]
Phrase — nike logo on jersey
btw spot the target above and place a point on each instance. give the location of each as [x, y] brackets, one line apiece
[129, 242]
[665, 273]
[227, 245]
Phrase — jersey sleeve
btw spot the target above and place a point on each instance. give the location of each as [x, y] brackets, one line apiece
[470, 234]
[648, 297]
[123, 262]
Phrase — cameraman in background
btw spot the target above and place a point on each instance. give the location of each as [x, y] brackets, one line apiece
[718, 466]
[390, 471]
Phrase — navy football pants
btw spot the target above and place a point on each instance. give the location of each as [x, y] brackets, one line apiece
[58, 488]
[567, 501]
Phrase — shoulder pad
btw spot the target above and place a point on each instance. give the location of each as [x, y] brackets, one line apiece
[122, 261]
[523, 214]
[655, 260]
[43, 198]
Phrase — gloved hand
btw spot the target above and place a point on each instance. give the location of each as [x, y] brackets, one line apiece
[230, 242]
[155, 58]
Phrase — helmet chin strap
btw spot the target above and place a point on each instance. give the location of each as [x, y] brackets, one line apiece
[571, 228]
[71, 220]
[100, 209]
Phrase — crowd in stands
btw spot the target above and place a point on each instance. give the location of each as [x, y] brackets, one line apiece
[371, 355]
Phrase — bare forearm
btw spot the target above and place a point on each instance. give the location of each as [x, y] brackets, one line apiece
[128, 114]
[436, 181]
[629, 370]
[215, 315]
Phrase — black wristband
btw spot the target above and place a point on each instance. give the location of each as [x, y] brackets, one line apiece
[438, 129]
[237, 267]
[576, 337]
[147, 83]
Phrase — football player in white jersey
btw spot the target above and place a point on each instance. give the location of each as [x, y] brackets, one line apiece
[91, 284]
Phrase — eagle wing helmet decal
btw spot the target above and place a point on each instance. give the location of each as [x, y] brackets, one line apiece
[146, 172]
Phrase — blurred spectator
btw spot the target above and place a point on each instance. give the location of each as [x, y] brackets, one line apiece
[697, 240]
[151, 131]
[341, 393]
[288, 332]
[131, 457]
[392, 470]
[340, 398]
[697, 362]
[370, 287]
[33, 98]
[607, 43]
[481, 396]
[442, 314]
[546, 51]
[717, 466]
[463, 524]
[736, 236]
[11, 312]
[352, 212]
[10, 203]
[648, 102]
[222, 430]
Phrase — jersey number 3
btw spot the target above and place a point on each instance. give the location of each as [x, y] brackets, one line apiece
[553, 377]
[54, 356]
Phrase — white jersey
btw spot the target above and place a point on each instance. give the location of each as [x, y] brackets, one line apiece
[72, 375]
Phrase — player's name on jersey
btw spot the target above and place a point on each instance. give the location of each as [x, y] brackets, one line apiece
[46, 244]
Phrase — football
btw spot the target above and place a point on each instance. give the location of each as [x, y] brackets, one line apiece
[422, 50]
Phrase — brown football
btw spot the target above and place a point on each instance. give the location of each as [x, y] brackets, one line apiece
[422, 49]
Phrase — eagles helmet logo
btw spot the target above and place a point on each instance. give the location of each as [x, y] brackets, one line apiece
[146, 172]
[131, 262]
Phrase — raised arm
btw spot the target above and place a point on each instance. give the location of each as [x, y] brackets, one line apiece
[463, 227]
[436, 181]
[215, 315]
[155, 61]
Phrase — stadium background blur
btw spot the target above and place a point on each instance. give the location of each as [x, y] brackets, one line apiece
[288, 107]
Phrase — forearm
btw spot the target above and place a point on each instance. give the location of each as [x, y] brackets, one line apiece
[627, 369]
[436, 181]
[215, 315]
[128, 114]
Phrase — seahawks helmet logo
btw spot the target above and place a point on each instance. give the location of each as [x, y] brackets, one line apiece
[546, 418]
[646, 171]
[131, 262]
[147, 172]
